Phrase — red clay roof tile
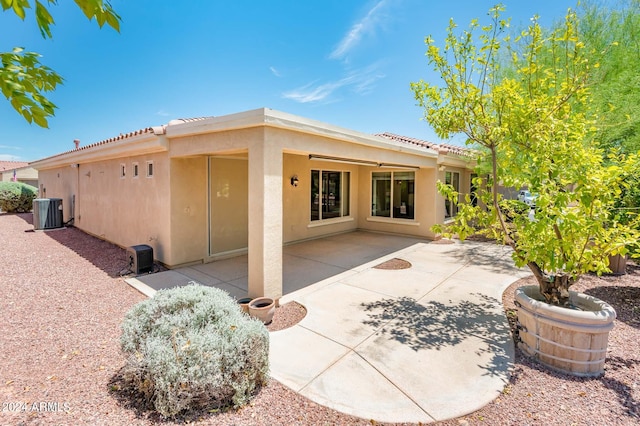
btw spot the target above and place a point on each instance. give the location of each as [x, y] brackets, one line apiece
[440, 148]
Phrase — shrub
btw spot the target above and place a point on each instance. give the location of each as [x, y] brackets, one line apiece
[192, 347]
[16, 197]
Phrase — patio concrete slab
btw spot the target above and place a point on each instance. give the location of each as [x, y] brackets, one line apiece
[149, 284]
[421, 344]
[226, 269]
[446, 376]
[341, 313]
[353, 382]
[396, 283]
[199, 276]
[299, 272]
[437, 334]
[300, 356]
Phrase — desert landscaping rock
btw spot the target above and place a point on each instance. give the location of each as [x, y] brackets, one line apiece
[63, 301]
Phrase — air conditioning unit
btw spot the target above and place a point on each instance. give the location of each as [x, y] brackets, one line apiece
[47, 213]
[140, 259]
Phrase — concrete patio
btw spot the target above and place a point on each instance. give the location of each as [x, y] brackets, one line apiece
[303, 264]
[426, 343]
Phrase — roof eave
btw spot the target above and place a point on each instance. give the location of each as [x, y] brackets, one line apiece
[141, 144]
[265, 117]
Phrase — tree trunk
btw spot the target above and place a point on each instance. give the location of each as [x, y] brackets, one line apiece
[555, 289]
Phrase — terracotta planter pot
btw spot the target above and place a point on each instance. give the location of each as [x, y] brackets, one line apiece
[263, 308]
[569, 340]
[244, 304]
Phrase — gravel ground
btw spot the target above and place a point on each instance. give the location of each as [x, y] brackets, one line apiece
[63, 300]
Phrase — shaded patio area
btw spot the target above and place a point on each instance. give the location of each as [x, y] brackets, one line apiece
[304, 263]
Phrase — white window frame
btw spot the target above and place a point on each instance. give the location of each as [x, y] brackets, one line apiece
[345, 186]
[150, 169]
[135, 169]
[453, 207]
[391, 195]
[123, 170]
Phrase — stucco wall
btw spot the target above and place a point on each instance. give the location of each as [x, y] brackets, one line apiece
[62, 183]
[125, 210]
[297, 200]
[188, 211]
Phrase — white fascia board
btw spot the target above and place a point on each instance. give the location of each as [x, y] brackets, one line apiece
[453, 160]
[146, 143]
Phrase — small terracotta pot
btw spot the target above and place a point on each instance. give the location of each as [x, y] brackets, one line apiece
[244, 304]
[263, 309]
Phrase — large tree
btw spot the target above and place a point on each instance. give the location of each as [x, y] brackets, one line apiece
[612, 33]
[524, 102]
[24, 80]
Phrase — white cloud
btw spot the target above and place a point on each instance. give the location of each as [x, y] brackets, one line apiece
[162, 113]
[9, 157]
[275, 72]
[364, 26]
[362, 82]
[312, 92]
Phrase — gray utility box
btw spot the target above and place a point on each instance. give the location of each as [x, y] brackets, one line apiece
[140, 259]
[47, 213]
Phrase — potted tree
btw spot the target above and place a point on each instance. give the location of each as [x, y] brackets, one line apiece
[524, 104]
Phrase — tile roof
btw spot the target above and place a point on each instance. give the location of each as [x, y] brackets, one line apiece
[10, 165]
[122, 136]
[440, 148]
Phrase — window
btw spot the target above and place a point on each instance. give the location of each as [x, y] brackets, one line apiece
[473, 189]
[329, 194]
[135, 170]
[123, 171]
[149, 169]
[393, 194]
[453, 179]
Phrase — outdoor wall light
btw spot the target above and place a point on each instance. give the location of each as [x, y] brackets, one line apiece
[294, 180]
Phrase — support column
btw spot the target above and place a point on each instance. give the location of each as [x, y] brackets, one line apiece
[265, 219]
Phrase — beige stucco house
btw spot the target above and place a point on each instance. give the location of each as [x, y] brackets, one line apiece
[201, 189]
[18, 171]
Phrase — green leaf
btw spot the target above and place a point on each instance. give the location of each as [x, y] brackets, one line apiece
[44, 20]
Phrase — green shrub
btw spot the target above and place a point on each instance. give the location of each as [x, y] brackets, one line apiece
[16, 197]
[192, 347]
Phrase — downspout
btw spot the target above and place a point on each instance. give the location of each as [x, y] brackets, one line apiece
[76, 195]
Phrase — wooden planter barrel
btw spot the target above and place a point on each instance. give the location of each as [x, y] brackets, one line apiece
[569, 340]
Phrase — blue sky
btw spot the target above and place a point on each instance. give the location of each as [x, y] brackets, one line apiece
[345, 62]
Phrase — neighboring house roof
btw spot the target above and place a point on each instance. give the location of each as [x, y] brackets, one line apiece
[441, 148]
[12, 165]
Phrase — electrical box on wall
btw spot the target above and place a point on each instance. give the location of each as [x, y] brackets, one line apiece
[140, 259]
